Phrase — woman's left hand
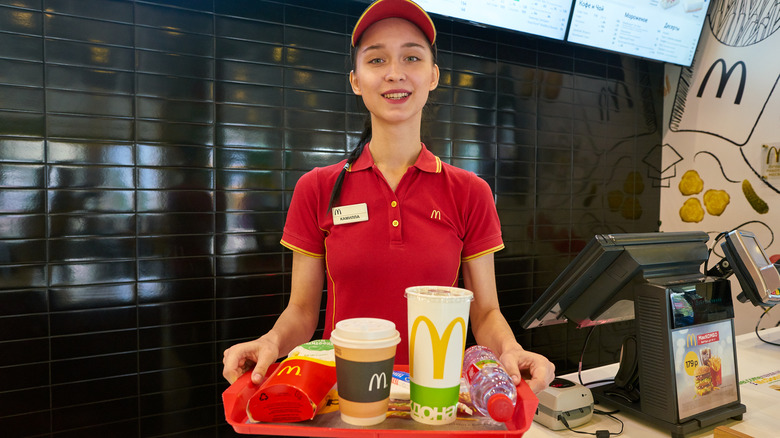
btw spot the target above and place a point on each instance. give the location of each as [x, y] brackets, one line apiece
[537, 371]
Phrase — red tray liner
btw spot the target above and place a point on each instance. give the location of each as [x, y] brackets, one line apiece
[236, 397]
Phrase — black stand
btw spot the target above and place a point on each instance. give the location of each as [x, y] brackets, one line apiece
[677, 430]
[646, 383]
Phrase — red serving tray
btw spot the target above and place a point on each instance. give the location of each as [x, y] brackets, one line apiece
[236, 397]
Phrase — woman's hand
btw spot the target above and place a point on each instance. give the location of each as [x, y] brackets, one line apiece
[537, 371]
[255, 355]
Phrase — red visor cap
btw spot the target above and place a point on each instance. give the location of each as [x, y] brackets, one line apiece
[406, 9]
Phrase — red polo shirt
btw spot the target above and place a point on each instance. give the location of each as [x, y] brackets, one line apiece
[438, 216]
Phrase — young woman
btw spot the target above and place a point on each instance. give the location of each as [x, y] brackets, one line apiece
[390, 216]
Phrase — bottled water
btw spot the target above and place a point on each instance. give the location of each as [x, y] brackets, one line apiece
[492, 391]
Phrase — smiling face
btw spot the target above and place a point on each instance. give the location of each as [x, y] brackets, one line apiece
[394, 71]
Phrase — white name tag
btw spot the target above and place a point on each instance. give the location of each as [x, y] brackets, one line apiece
[346, 214]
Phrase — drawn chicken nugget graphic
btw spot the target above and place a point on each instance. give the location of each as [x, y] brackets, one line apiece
[691, 211]
[715, 201]
[691, 183]
[634, 184]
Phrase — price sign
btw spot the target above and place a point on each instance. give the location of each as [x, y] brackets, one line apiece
[691, 362]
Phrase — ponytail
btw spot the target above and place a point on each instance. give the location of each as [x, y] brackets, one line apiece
[365, 137]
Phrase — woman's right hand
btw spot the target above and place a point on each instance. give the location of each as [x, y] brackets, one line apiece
[255, 355]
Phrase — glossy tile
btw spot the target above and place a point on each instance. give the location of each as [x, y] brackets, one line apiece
[172, 178]
[21, 150]
[169, 87]
[86, 104]
[21, 21]
[184, 267]
[177, 133]
[250, 201]
[74, 225]
[108, 10]
[179, 334]
[82, 392]
[92, 273]
[75, 152]
[21, 99]
[151, 292]
[95, 80]
[87, 345]
[176, 19]
[175, 223]
[242, 27]
[89, 55]
[174, 155]
[168, 40]
[175, 246]
[22, 124]
[88, 30]
[86, 416]
[21, 402]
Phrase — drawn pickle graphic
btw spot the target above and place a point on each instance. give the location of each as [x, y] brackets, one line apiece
[755, 201]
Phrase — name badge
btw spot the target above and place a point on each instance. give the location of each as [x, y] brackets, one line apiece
[347, 214]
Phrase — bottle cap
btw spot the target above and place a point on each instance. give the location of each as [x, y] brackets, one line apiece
[500, 408]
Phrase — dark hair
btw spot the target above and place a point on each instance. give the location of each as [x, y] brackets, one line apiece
[365, 137]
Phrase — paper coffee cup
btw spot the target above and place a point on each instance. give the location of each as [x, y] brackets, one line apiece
[365, 352]
[438, 321]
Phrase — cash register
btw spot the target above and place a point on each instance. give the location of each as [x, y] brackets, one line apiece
[678, 370]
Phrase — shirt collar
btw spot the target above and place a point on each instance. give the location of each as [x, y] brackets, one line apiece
[426, 161]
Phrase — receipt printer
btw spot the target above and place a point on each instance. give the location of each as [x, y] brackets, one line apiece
[564, 399]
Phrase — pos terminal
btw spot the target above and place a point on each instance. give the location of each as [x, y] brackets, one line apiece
[679, 370]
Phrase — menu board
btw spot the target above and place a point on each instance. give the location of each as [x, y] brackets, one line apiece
[663, 30]
[547, 18]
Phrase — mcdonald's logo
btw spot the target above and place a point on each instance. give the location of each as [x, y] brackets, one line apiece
[337, 212]
[769, 154]
[691, 341]
[436, 214]
[439, 344]
[724, 78]
[381, 381]
[290, 369]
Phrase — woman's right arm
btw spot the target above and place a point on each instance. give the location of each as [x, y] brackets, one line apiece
[294, 326]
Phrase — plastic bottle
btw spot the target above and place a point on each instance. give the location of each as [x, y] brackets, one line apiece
[492, 391]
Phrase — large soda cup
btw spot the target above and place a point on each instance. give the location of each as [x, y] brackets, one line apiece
[438, 319]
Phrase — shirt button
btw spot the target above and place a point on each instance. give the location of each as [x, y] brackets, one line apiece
[395, 223]
[393, 204]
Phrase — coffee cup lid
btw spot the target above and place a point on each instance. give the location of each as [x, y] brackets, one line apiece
[365, 333]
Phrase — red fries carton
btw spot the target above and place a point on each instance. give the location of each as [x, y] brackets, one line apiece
[294, 392]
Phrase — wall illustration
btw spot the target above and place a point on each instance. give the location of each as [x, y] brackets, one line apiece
[723, 132]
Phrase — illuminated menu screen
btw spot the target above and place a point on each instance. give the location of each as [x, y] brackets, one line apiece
[664, 30]
[547, 18]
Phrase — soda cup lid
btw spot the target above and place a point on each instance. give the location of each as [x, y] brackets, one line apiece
[443, 294]
[365, 333]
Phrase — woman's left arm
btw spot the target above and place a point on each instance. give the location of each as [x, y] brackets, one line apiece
[492, 331]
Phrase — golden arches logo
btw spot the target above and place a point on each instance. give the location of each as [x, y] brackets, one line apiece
[691, 341]
[290, 369]
[769, 154]
[436, 214]
[439, 344]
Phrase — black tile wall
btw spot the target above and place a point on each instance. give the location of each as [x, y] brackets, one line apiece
[149, 149]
